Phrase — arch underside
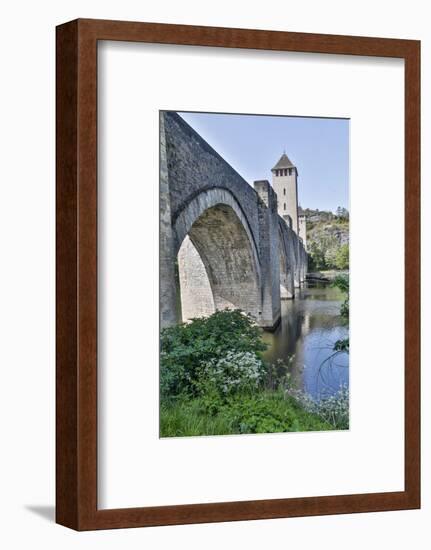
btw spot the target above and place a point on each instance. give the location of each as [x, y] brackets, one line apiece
[216, 261]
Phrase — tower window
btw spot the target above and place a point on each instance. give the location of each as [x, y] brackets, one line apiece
[285, 171]
[290, 171]
[284, 191]
[284, 206]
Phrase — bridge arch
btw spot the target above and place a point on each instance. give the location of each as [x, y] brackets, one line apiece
[217, 257]
[198, 189]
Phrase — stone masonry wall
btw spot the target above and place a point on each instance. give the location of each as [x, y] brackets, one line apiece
[269, 253]
[196, 294]
[234, 229]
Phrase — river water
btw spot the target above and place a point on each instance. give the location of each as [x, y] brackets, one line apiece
[310, 325]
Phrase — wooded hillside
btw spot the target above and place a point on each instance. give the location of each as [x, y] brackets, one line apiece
[327, 238]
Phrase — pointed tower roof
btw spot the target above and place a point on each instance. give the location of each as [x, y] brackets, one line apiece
[284, 162]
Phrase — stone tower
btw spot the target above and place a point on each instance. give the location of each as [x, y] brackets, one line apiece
[285, 184]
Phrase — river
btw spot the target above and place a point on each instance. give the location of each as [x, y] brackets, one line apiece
[310, 325]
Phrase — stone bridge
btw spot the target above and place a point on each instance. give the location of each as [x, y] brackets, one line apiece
[232, 248]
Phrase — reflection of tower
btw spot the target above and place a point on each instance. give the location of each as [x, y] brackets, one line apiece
[285, 184]
[306, 323]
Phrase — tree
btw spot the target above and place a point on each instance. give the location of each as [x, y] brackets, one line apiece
[342, 213]
[342, 257]
[317, 257]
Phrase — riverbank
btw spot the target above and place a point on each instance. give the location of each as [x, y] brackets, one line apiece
[214, 381]
[326, 275]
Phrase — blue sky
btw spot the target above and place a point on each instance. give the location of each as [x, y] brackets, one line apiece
[252, 144]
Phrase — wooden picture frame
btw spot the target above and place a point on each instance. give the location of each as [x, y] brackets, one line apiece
[76, 248]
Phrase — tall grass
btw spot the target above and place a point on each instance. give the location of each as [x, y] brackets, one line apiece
[189, 417]
[262, 412]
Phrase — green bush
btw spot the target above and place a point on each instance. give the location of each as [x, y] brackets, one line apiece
[342, 282]
[271, 412]
[342, 345]
[187, 350]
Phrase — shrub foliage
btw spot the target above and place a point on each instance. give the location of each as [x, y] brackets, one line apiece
[227, 343]
[213, 381]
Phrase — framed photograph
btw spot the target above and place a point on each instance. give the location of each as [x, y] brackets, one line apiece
[238, 274]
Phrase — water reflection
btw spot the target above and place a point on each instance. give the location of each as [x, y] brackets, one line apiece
[310, 325]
